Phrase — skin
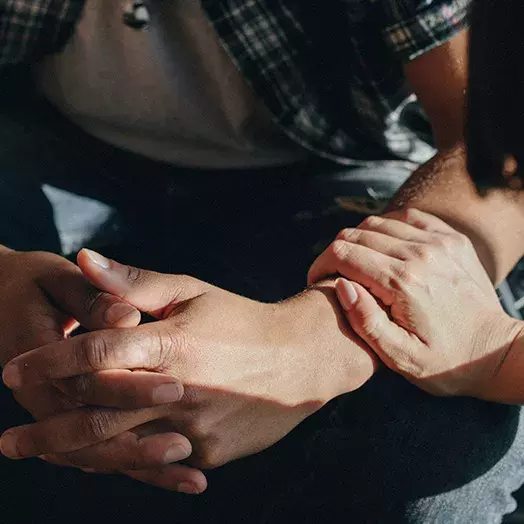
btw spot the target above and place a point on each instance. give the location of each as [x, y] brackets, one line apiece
[251, 372]
[443, 327]
[421, 299]
[442, 187]
[41, 295]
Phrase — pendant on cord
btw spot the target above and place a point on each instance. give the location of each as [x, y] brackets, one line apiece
[136, 15]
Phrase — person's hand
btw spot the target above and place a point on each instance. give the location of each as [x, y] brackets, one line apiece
[43, 297]
[436, 318]
[251, 372]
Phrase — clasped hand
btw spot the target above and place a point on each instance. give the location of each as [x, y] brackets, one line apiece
[248, 373]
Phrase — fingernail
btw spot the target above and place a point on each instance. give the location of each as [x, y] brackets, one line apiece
[11, 376]
[188, 488]
[167, 393]
[346, 292]
[88, 470]
[98, 259]
[118, 312]
[175, 453]
[9, 446]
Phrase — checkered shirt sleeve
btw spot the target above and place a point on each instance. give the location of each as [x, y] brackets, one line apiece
[414, 27]
[30, 29]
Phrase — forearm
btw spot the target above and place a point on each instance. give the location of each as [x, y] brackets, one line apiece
[507, 386]
[494, 223]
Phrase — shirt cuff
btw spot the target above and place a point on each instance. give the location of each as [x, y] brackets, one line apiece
[429, 28]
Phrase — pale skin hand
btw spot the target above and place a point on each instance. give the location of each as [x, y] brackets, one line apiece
[42, 296]
[251, 372]
[446, 331]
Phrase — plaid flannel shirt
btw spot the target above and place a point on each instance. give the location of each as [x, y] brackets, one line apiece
[330, 71]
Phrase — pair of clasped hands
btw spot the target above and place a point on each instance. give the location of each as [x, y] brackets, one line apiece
[217, 376]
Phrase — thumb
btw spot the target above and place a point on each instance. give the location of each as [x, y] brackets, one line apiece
[155, 293]
[372, 324]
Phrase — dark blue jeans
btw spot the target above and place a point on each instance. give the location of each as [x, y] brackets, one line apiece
[388, 453]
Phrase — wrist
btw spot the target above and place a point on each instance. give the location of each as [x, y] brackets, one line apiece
[339, 362]
[503, 358]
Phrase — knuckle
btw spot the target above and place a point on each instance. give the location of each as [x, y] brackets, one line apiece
[411, 213]
[92, 300]
[399, 214]
[371, 222]
[81, 387]
[346, 234]
[413, 217]
[198, 427]
[178, 288]
[212, 461]
[168, 352]
[339, 249]
[96, 425]
[211, 456]
[403, 276]
[369, 324]
[133, 274]
[445, 242]
[95, 352]
[421, 252]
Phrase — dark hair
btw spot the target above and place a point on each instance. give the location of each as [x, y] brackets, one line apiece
[495, 113]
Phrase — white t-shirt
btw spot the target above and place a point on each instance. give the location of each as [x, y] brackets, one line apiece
[169, 92]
